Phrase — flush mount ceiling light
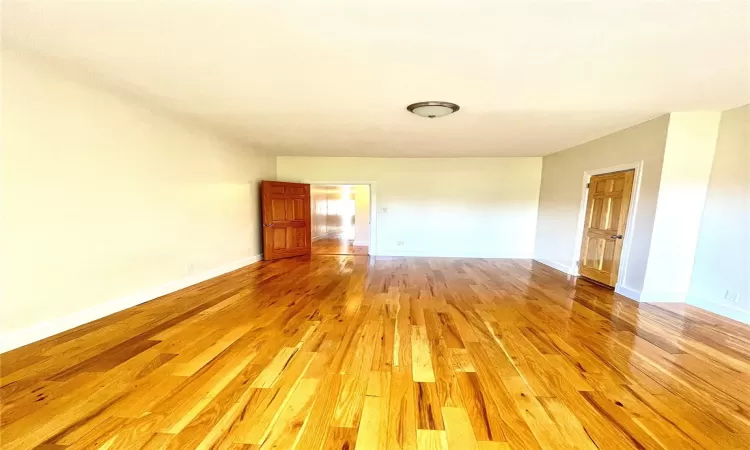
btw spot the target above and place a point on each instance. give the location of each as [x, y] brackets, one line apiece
[432, 110]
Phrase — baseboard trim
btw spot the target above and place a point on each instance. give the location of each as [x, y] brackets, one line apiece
[663, 297]
[557, 266]
[427, 254]
[630, 293]
[24, 336]
[720, 309]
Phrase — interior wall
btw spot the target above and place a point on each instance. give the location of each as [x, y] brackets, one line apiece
[361, 215]
[688, 156]
[562, 193]
[722, 256]
[469, 207]
[105, 200]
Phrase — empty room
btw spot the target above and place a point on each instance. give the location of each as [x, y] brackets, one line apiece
[426, 225]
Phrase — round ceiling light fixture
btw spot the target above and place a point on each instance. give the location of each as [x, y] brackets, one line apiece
[432, 110]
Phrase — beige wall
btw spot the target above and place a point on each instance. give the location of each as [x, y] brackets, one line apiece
[722, 257]
[481, 207]
[361, 214]
[688, 154]
[105, 199]
[561, 194]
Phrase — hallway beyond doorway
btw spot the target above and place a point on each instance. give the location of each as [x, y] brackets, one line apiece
[340, 219]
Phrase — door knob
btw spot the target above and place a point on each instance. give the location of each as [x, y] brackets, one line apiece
[616, 236]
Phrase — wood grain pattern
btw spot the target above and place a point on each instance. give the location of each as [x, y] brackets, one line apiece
[337, 245]
[607, 210]
[348, 352]
[287, 223]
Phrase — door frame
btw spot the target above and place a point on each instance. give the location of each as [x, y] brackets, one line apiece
[628, 238]
[373, 217]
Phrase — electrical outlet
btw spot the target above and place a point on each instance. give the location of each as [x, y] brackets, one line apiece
[190, 268]
[732, 296]
[384, 210]
[400, 243]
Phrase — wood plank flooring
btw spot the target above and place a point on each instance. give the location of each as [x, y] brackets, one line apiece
[337, 245]
[385, 353]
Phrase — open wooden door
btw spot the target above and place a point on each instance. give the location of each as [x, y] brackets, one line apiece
[286, 219]
[606, 216]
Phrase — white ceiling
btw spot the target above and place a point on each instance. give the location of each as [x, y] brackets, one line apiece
[333, 78]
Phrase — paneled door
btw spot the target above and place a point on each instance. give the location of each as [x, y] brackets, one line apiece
[606, 216]
[286, 219]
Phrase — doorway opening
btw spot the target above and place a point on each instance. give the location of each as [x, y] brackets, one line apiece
[340, 219]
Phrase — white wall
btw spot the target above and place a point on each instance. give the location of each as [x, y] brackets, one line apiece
[688, 155]
[471, 207]
[561, 195]
[722, 257]
[105, 202]
[361, 214]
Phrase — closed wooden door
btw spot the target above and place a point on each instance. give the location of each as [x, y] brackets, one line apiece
[286, 219]
[606, 216]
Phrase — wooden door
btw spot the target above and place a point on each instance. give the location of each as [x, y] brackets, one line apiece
[606, 216]
[286, 219]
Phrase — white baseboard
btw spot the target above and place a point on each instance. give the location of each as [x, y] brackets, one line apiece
[663, 297]
[558, 266]
[18, 338]
[721, 309]
[630, 293]
[650, 296]
[360, 243]
[448, 254]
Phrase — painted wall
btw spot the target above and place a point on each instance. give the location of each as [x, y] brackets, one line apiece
[104, 199]
[688, 155]
[562, 194]
[722, 257]
[471, 207]
[361, 214]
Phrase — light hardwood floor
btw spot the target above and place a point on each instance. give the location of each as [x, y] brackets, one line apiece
[337, 245]
[388, 353]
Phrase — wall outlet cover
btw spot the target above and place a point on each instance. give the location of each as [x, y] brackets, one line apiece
[732, 296]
